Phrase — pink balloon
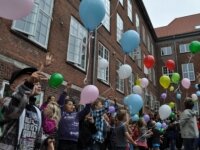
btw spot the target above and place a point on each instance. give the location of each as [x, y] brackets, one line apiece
[144, 82]
[89, 94]
[15, 9]
[186, 83]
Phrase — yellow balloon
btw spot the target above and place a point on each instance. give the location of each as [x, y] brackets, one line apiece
[164, 81]
[138, 82]
[172, 104]
[171, 88]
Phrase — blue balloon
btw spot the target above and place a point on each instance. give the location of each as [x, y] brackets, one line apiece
[134, 103]
[196, 86]
[135, 117]
[92, 13]
[158, 125]
[125, 100]
[130, 40]
[178, 96]
[198, 93]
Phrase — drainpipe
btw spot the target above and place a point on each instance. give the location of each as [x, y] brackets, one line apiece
[94, 72]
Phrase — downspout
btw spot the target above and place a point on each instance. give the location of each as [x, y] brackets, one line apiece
[94, 72]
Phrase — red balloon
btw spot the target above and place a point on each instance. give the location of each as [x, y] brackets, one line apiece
[170, 64]
[149, 61]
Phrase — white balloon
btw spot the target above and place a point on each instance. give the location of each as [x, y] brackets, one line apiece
[137, 90]
[144, 82]
[194, 97]
[164, 111]
[102, 63]
[124, 71]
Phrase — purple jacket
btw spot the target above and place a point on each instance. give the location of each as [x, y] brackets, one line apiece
[69, 123]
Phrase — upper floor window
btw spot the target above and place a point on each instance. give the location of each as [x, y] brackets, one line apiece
[130, 83]
[130, 11]
[138, 57]
[184, 48]
[5, 90]
[103, 74]
[77, 45]
[166, 71]
[188, 71]
[154, 77]
[166, 51]
[148, 44]
[106, 20]
[121, 2]
[137, 23]
[119, 82]
[36, 25]
[144, 34]
[120, 27]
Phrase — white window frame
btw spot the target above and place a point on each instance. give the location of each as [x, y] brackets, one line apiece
[80, 34]
[35, 33]
[106, 20]
[154, 77]
[130, 9]
[144, 35]
[184, 48]
[137, 23]
[119, 82]
[120, 27]
[4, 83]
[148, 44]
[103, 74]
[188, 71]
[166, 51]
[166, 71]
[139, 57]
[131, 80]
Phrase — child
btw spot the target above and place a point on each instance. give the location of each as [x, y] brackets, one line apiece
[155, 137]
[49, 99]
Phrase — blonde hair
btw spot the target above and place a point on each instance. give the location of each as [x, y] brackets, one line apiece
[52, 111]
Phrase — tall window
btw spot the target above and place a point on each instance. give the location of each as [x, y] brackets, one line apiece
[5, 90]
[77, 45]
[121, 2]
[103, 74]
[148, 44]
[36, 25]
[139, 57]
[166, 51]
[184, 48]
[130, 11]
[137, 23]
[144, 34]
[152, 49]
[154, 76]
[188, 71]
[130, 83]
[119, 82]
[106, 20]
[166, 71]
[120, 27]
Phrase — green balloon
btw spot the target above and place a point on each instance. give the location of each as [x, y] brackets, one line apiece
[55, 80]
[161, 131]
[172, 116]
[175, 78]
[194, 47]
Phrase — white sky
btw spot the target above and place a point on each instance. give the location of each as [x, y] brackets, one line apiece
[162, 12]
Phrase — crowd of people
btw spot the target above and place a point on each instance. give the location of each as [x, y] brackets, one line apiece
[60, 124]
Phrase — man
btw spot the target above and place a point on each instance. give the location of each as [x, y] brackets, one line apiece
[21, 120]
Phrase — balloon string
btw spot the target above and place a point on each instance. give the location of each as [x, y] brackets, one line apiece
[177, 88]
[111, 88]
[88, 62]
[190, 58]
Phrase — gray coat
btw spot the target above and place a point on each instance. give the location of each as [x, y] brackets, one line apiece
[188, 124]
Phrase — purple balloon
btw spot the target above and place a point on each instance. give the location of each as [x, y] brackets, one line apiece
[111, 109]
[164, 125]
[146, 118]
[163, 95]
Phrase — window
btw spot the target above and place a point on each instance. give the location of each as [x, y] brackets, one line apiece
[5, 89]
[166, 51]
[188, 71]
[197, 27]
[148, 44]
[106, 20]
[139, 57]
[103, 74]
[119, 82]
[121, 2]
[152, 49]
[144, 34]
[77, 45]
[157, 105]
[166, 71]
[130, 83]
[196, 107]
[184, 48]
[120, 27]
[37, 24]
[130, 10]
[137, 23]
[154, 76]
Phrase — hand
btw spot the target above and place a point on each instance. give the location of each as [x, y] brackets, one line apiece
[48, 61]
[37, 77]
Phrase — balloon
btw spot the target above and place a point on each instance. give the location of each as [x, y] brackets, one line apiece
[161, 130]
[102, 63]
[144, 82]
[172, 116]
[198, 93]
[135, 103]
[175, 78]
[164, 81]
[111, 109]
[89, 94]
[196, 86]
[146, 118]
[171, 88]
[194, 47]
[137, 89]
[130, 40]
[124, 71]
[163, 95]
[15, 9]
[149, 61]
[164, 111]
[135, 117]
[194, 97]
[171, 104]
[92, 13]
[186, 83]
[178, 95]
[158, 125]
[55, 80]
[125, 100]
[170, 64]
[164, 125]
[138, 82]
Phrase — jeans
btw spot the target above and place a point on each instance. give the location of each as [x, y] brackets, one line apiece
[189, 144]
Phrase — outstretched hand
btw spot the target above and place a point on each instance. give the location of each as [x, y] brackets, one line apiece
[48, 61]
[37, 76]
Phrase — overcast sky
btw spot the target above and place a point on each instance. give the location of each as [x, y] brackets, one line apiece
[162, 12]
